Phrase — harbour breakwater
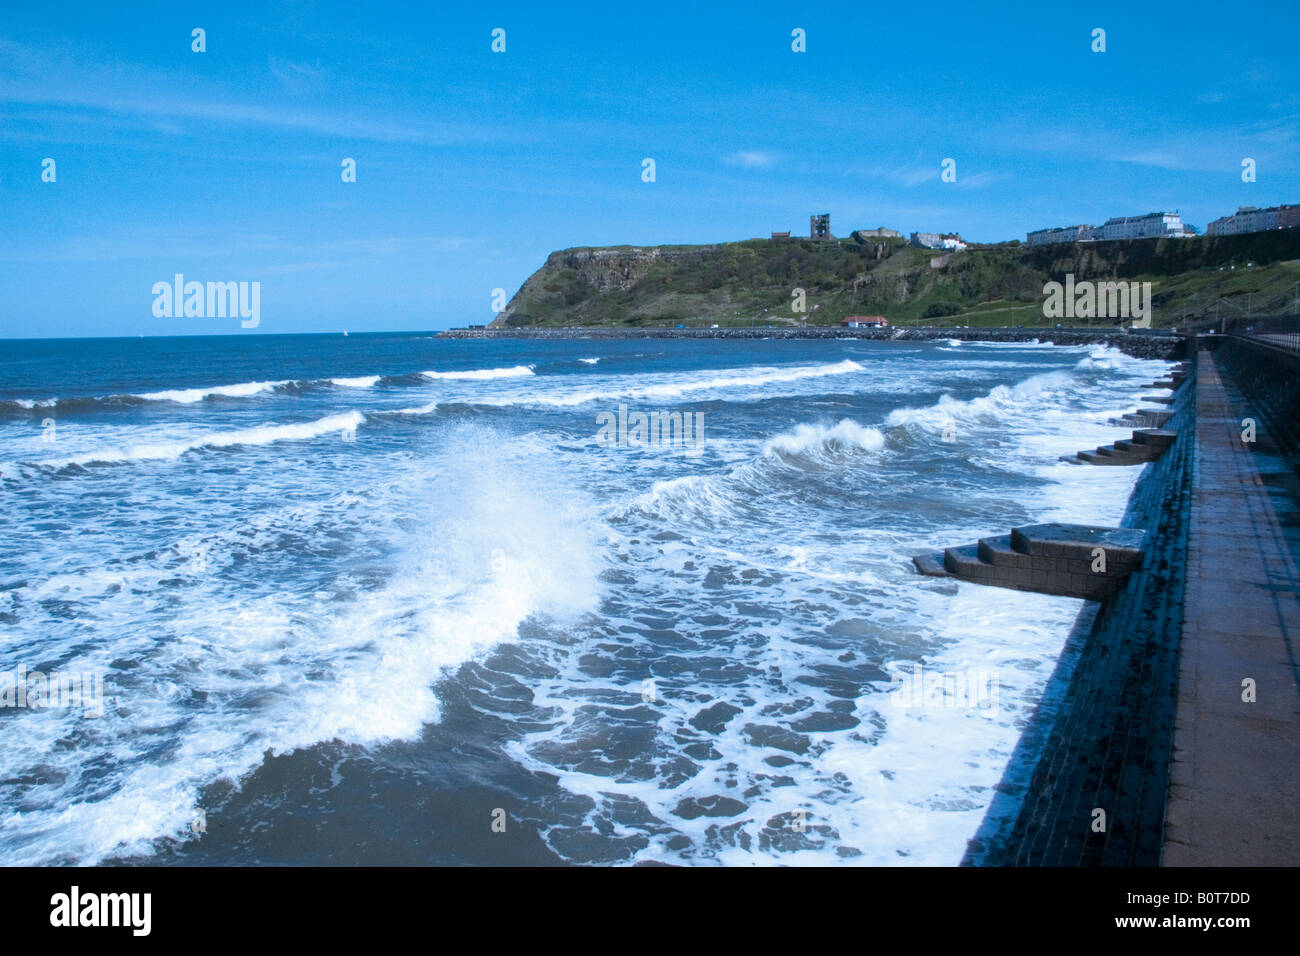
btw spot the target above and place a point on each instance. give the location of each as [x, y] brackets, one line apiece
[1137, 344]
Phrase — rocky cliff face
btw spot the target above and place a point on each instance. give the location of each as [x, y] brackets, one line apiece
[604, 269]
[576, 273]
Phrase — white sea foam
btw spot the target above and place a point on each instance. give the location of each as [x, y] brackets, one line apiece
[283, 670]
[187, 396]
[427, 409]
[262, 435]
[750, 592]
[845, 435]
[482, 374]
[363, 381]
[679, 386]
[1001, 403]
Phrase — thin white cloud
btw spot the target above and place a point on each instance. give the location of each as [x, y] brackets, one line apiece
[752, 159]
[200, 245]
[295, 77]
[981, 179]
[1213, 151]
[914, 175]
[126, 92]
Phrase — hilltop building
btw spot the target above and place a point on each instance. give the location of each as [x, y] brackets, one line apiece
[1254, 219]
[781, 235]
[820, 226]
[1047, 237]
[880, 232]
[1153, 225]
[934, 240]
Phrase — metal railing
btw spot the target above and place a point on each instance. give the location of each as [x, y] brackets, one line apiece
[1230, 313]
[1290, 341]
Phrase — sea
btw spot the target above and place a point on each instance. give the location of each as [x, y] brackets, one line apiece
[407, 600]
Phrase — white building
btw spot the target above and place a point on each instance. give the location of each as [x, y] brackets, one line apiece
[1153, 225]
[1046, 237]
[934, 240]
[1254, 219]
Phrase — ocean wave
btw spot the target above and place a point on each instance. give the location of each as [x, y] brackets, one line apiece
[175, 396]
[187, 396]
[203, 393]
[819, 448]
[1002, 402]
[482, 374]
[171, 450]
[847, 435]
[713, 380]
[285, 670]
[428, 409]
[26, 407]
[1031, 343]
[363, 381]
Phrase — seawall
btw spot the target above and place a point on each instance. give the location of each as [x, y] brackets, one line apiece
[1138, 344]
[1144, 749]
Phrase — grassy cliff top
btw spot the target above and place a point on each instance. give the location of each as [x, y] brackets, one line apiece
[753, 281]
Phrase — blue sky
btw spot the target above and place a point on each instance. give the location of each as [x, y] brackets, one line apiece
[472, 166]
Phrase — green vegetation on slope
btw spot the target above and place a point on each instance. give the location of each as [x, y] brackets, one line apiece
[753, 282]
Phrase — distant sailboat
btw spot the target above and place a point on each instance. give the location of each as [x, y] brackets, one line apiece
[345, 333]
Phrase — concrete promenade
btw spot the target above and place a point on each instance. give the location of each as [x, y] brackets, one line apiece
[1234, 793]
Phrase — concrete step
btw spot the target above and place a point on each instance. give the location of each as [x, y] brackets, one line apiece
[1115, 451]
[1108, 455]
[997, 551]
[1093, 458]
[1077, 541]
[1157, 399]
[1147, 417]
[1155, 436]
[931, 565]
[1048, 558]
[959, 557]
[1135, 449]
